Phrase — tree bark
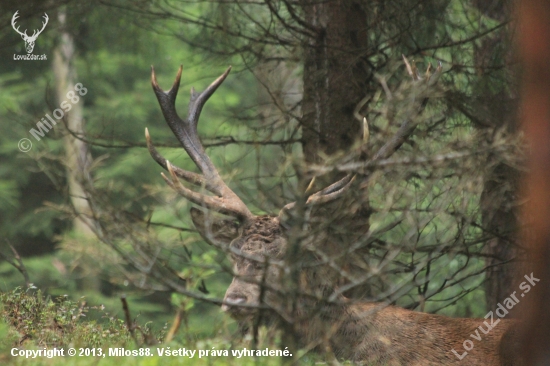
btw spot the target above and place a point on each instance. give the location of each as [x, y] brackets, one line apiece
[336, 78]
[78, 157]
[496, 108]
[534, 44]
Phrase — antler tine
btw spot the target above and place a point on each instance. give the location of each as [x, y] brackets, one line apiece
[37, 32]
[437, 73]
[13, 19]
[335, 190]
[338, 188]
[218, 204]
[190, 177]
[330, 193]
[45, 16]
[366, 131]
[186, 130]
[198, 100]
[226, 202]
[413, 72]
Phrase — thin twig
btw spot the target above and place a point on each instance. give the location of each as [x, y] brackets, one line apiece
[129, 323]
[19, 265]
[175, 326]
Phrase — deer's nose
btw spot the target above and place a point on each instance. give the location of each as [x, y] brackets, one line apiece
[233, 299]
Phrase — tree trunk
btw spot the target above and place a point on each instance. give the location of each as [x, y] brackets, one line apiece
[77, 155]
[497, 110]
[336, 78]
[78, 158]
[534, 44]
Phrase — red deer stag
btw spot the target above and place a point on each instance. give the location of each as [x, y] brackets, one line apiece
[367, 332]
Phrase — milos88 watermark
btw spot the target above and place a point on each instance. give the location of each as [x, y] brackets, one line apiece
[47, 123]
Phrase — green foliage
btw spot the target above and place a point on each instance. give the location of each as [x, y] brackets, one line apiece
[31, 321]
[48, 322]
[53, 275]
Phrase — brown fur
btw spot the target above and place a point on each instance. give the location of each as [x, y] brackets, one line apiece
[364, 332]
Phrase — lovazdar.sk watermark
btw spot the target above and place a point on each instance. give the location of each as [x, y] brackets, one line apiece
[503, 308]
[29, 40]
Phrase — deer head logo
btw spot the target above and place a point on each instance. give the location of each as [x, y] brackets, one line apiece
[29, 40]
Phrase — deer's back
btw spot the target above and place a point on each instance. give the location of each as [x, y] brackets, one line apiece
[388, 335]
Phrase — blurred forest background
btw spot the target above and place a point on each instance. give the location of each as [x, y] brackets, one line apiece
[90, 216]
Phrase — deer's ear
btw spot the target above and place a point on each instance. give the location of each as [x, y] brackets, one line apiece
[216, 231]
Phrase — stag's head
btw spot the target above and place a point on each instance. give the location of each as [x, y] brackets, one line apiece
[257, 244]
[29, 40]
[257, 248]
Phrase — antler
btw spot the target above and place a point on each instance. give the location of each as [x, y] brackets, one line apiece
[224, 199]
[333, 191]
[337, 189]
[24, 34]
[36, 33]
[15, 16]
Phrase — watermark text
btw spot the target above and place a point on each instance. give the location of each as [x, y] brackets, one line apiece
[503, 308]
[47, 123]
